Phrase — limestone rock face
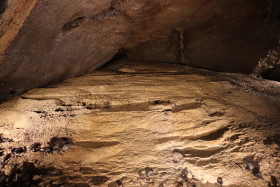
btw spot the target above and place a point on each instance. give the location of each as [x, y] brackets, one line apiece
[62, 39]
[142, 124]
[43, 41]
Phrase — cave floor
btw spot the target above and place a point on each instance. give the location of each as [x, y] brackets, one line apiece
[142, 123]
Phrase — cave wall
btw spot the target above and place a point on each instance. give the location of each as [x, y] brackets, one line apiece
[44, 41]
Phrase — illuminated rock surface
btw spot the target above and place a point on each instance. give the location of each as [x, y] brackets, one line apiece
[43, 41]
[142, 123]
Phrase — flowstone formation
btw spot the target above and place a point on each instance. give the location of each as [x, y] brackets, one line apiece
[135, 123]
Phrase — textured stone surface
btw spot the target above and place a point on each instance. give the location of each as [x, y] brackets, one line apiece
[55, 40]
[12, 16]
[142, 123]
[46, 51]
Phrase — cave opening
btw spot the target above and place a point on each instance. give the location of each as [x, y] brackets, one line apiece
[129, 93]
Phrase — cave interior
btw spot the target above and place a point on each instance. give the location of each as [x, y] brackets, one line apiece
[128, 93]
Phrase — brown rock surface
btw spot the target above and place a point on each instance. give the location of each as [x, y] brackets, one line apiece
[131, 117]
[45, 41]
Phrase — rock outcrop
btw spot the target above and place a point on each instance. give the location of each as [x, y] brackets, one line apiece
[44, 41]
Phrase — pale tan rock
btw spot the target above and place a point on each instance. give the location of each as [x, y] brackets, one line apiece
[122, 137]
[177, 156]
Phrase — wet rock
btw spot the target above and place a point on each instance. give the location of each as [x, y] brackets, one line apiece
[178, 156]
[149, 171]
[184, 173]
[259, 175]
[35, 147]
[47, 149]
[220, 181]
[67, 146]
[251, 165]
[19, 150]
[58, 143]
[163, 175]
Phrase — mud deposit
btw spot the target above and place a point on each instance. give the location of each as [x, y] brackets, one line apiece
[143, 124]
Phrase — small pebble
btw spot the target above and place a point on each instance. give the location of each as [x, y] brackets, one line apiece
[149, 171]
[163, 175]
[251, 165]
[220, 181]
[119, 182]
[177, 156]
[48, 149]
[67, 146]
[58, 143]
[35, 147]
[184, 173]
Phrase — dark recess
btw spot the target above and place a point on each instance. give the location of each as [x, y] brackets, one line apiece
[273, 9]
[272, 74]
[3, 6]
[73, 24]
[121, 54]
